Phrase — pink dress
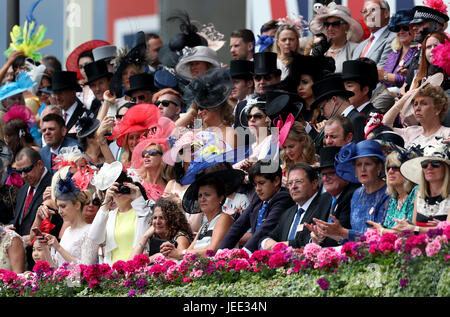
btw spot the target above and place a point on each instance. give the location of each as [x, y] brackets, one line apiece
[413, 135]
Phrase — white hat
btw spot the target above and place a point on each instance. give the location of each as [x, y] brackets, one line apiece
[107, 175]
[412, 169]
[198, 53]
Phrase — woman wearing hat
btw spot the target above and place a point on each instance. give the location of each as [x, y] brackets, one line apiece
[75, 245]
[432, 172]
[195, 61]
[363, 163]
[429, 106]
[402, 52]
[342, 30]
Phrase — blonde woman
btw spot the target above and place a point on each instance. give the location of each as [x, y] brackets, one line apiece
[287, 40]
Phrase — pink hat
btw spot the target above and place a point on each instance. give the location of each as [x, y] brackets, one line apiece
[283, 129]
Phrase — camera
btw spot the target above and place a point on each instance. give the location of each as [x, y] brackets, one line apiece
[122, 189]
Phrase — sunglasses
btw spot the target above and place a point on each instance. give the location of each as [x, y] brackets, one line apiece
[165, 103]
[140, 98]
[334, 24]
[95, 202]
[26, 169]
[151, 152]
[266, 77]
[393, 167]
[434, 164]
[404, 28]
[119, 116]
[256, 116]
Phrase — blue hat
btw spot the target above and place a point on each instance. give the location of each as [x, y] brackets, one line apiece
[66, 189]
[401, 17]
[348, 153]
[164, 79]
[23, 83]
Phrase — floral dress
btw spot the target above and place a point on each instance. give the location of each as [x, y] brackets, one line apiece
[405, 212]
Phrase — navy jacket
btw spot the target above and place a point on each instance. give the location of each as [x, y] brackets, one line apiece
[46, 155]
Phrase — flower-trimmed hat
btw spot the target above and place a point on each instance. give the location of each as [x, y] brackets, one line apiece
[196, 54]
[107, 175]
[412, 169]
[66, 189]
[350, 152]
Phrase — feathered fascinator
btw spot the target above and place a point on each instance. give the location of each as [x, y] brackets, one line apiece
[66, 189]
[83, 176]
[212, 36]
[406, 154]
[68, 156]
[27, 38]
[441, 56]
[437, 5]
[375, 120]
[86, 125]
[20, 112]
[23, 83]
[296, 21]
[283, 128]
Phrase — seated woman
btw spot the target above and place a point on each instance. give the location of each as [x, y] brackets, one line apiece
[12, 251]
[207, 194]
[402, 192]
[430, 105]
[431, 171]
[168, 224]
[359, 163]
[123, 217]
[75, 245]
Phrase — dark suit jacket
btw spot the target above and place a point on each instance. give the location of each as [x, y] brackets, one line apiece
[79, 110]
[23, 226]
[368, 109]
[317, 209]
[341, 210]
[278, 204]
[46, 155]
[359, 122]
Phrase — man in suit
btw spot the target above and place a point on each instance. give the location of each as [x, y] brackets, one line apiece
[303, 184]
[142, 88]
[377, 47]
[340, 192]
[36, 179]
[270, 201]
[55, 136]
[360, 77]
[98, 80]
[338, 131]
[332, 99]
[65, 87]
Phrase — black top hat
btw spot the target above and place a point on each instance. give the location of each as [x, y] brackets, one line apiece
[142, 81]
[86, 125]
[327, 155]
[265, 63]
[282, 103]
[361, 72]
[97, 70]
[401, 17]
[241, 69]
[65, 80]
[423, 13]
[331, 85]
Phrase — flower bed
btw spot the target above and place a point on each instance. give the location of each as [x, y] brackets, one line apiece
[387, 265]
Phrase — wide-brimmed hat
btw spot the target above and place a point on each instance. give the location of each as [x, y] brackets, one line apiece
[327, 157]
[329, 86]
[350, 152]
[96, 70]
[72, 60]
[22, 83]
[86, 125]
[104, 53]
[412, 170]
[424, 13]
[361, 72]
[107, 175]
[65, 80]
[196, 54]
[265, 63]
[142, 81]
[333, 10]
[209, 90]
[241, 69]
[231, 178]
[281, 103]
[387, 138]
[401, 17]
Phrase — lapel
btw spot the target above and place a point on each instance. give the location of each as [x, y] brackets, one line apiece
[79, 110]
[37, 196]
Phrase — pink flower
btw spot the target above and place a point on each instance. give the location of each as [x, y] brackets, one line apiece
[311, 251]
[372, 235]
[327, 257]
[221, 264]
[433, 247]
[279, 247]
[239, 264]
[416, 252]
[277, 260]
[159, 259]
[386, 247]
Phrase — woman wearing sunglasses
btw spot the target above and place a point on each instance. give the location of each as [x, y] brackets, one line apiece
[432, 172]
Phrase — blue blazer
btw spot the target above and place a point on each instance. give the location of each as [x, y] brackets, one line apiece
[46, 155]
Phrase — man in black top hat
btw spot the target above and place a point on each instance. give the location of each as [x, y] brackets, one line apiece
[241, 72]
[339, 191]
[65, 87]
[98, 80]
[361, 78]
[142, 88]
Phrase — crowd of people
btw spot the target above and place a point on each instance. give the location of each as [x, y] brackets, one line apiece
[314, 132]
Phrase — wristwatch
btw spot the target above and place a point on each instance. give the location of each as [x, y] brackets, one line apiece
[385, 77]
[416, 230]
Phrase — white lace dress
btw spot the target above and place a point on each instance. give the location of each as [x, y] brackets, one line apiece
[77, 243]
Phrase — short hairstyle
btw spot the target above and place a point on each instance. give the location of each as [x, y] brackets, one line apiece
[149, 36]
[270, 25]
[167, 91]
[344, 122]
[383, 4]
[29, 152]
[257, 168]
[311, 173]
[53, 107]
[52, 63]
[54, 117]
[246, 35]
[439, 97]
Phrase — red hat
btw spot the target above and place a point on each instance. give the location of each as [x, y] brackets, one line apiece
[138, 118]
[72, 60]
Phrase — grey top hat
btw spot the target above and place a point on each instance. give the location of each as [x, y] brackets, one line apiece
[107, 52]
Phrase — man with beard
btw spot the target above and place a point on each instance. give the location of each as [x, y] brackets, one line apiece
[154, 44]
[242, 44]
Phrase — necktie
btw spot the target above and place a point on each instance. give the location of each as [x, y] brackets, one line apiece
[261, 214]
[295, 225]
[369, 43]
[28, 201]
[53, 159]
[333, 202]
[65, 117]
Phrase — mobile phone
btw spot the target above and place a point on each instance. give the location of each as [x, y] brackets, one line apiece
[37, 232]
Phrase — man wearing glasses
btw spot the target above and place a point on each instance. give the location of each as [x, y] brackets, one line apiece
[30, 196]
[142, 88]
[377, 47]
[169, 101]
